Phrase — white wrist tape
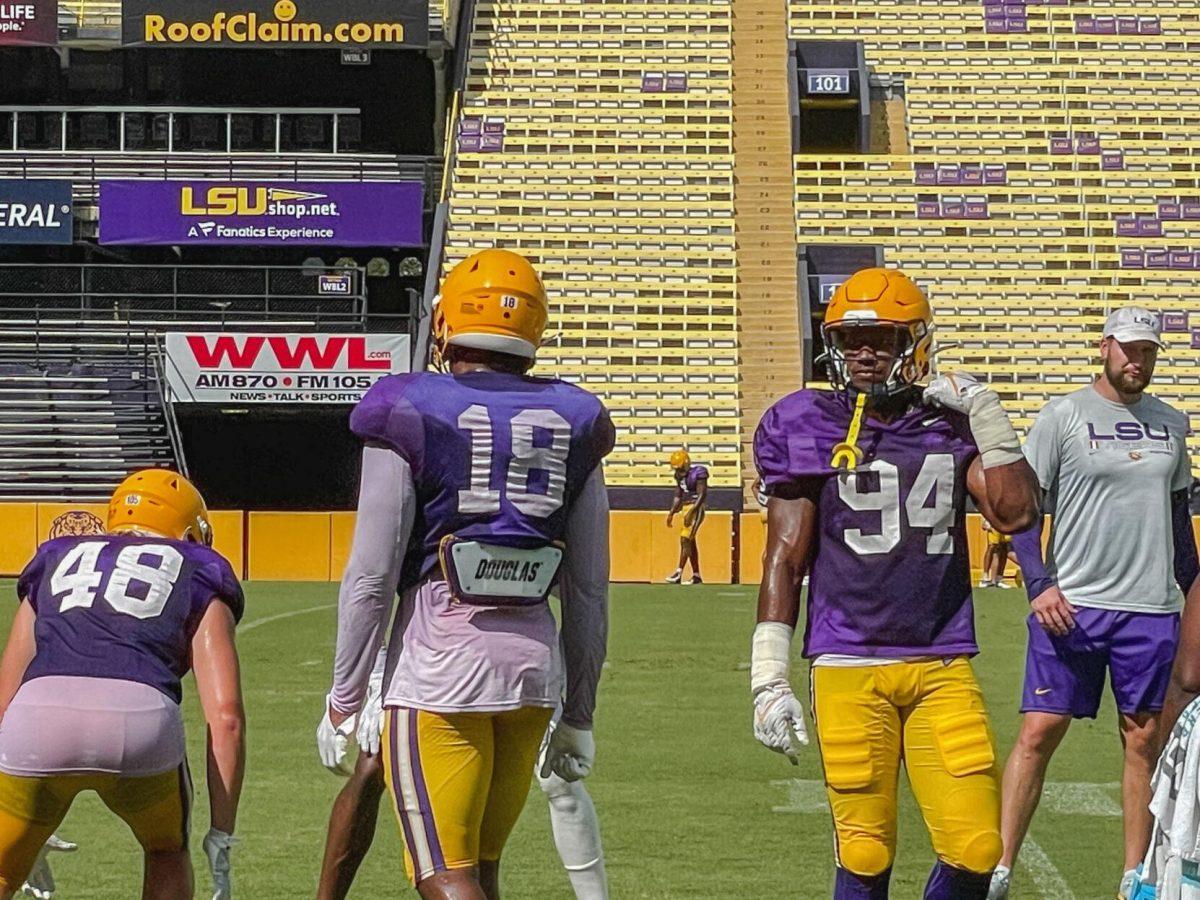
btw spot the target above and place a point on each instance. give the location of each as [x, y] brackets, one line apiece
[993, 432]
[770, 654]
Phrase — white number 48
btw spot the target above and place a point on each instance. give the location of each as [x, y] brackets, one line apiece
[76, 580]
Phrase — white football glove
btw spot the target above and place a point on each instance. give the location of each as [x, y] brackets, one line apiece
[217, 845]
[990, 426]
[40, 882]
[954, 390]
[570, 753]
[333, 744]
[370, 720]
[779, 720]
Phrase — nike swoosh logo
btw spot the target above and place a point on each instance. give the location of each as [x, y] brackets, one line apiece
[1042, 692]
[927, 422]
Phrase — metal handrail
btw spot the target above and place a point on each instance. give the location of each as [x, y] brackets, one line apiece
[198, 267]
[158, 354]
[235, 110]
[133, 342]
[86, 168]
[171, 112]
[139, 292]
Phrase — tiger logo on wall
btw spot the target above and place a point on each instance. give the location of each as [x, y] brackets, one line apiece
[75, 522]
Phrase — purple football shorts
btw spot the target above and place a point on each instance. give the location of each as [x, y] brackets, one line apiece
[1066, 674]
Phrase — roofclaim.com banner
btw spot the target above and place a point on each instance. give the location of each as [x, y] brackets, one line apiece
[276, 23]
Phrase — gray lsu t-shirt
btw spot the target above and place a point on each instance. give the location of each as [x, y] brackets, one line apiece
[1108, 471]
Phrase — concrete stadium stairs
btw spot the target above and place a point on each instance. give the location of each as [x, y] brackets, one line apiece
[73, 433]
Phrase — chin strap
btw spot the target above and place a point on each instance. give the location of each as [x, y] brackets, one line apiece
[847, 455]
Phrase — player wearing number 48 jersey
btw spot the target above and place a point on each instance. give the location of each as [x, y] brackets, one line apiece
[481, 491]
[867, 488]
[90, 685]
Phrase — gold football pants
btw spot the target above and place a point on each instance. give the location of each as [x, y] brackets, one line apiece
[458, 782]
[930, 716]
[155, 807]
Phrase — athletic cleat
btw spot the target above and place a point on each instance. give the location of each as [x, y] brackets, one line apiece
[675, 577]
[696, 579]
[984, 583]
[1001, 880]
[1002, 586]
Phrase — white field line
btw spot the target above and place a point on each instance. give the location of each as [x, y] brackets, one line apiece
[250, 626]
[1050, 882]
[805, 795]
[1082, 799]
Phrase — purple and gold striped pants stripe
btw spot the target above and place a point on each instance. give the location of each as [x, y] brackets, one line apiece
[458, 782]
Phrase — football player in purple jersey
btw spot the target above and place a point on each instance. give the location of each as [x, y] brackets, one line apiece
[691, 499]
[867, 488]
[481, 490]
[90, 685]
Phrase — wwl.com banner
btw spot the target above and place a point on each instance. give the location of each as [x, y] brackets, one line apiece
[236, 367]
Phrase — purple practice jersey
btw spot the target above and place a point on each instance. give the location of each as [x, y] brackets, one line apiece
[123, 606]
[495, 457]
[689, 482]
[890, 574]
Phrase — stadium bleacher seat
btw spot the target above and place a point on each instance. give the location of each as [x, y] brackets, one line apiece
[71, 431]
[624, 199]
[1020, 296]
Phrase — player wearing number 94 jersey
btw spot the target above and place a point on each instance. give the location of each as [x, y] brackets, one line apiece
[481, 490]
[867, 486]
[90, 685]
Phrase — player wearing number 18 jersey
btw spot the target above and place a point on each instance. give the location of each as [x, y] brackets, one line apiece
[90, 684]
[867, 488]
[481, 490]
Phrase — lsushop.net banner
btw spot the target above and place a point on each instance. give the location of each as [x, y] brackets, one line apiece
[269, 213]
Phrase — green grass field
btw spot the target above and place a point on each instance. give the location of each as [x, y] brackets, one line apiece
[690, 805]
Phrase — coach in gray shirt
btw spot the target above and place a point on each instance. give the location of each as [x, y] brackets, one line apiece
[1114, 467]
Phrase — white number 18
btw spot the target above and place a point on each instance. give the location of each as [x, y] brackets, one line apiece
[480, 499]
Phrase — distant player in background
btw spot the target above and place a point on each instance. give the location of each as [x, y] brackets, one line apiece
[691, 498]
[481, 489]
[90, 685]
[1114, 464]
[995, 557]
[867, 490]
